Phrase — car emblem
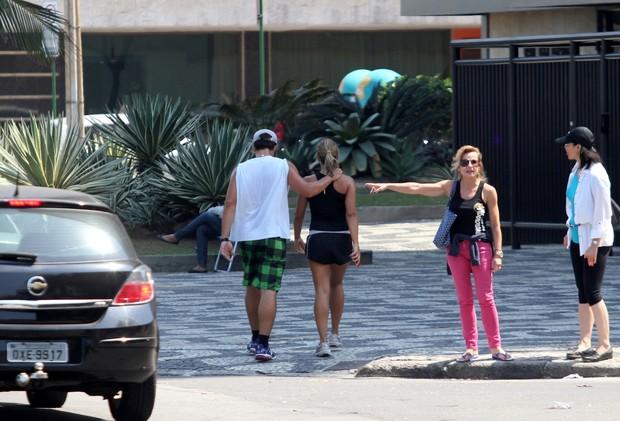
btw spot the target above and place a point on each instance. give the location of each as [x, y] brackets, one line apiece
[37, 285]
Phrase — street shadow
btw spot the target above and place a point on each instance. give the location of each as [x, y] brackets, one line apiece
[13, 411]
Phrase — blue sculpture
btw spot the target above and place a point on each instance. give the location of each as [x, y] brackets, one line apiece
[358, 85]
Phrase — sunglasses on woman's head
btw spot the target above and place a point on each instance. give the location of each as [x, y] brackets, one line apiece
[466, 162]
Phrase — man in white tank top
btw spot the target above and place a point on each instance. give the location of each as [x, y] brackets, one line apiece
[256, 214]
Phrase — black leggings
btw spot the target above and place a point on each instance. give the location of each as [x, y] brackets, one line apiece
[589, 278]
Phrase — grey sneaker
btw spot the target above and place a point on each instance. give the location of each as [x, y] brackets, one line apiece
[334, 341]
[322, 350]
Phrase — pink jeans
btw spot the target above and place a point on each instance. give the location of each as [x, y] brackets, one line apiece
[461, 267]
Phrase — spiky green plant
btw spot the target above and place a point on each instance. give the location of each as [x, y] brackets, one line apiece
[198, 173]
[282, 105]
[435, 172]
[417, 108]
[359, 143]
[23, 23]
[301, 154]
[43, 152]
[404, 164]
[150, 128]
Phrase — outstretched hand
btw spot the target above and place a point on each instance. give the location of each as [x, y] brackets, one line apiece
[376, 187]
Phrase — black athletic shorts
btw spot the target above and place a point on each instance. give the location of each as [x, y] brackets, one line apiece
[329, 248]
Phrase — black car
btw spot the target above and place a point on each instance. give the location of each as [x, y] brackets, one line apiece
[77, 306]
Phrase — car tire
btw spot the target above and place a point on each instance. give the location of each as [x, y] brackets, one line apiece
[46, 398]
[134, 402]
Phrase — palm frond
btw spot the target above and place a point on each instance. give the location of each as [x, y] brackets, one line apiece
[23, 23]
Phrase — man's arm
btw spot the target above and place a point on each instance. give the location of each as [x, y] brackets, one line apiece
[230, 204]
[309, 189]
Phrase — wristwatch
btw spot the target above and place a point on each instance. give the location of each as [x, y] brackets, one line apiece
[499, 253]
[224, 239]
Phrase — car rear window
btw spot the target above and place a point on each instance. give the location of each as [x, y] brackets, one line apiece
[64, 235]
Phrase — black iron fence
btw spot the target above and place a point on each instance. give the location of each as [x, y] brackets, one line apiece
[523, 93]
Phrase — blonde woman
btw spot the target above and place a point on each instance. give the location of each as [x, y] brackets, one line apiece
[474, 248]
[331, 245]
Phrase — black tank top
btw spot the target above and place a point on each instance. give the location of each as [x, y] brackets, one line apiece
[327, 209]
[472, 214]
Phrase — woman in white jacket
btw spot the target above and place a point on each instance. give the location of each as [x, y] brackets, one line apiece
[590, 237]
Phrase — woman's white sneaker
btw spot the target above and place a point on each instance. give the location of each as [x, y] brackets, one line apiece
[322, 350]
[334, 341]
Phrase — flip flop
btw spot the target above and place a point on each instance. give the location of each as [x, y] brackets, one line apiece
[502, 356]
[467, 357]
[160, 237]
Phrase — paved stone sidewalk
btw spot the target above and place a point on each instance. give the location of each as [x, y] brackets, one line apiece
[403, 304]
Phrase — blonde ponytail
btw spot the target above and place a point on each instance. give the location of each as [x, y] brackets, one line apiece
[327, 155]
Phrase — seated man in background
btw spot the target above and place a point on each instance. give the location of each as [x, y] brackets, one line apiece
[206, 226]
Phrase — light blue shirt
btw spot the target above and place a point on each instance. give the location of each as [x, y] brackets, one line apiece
[570, 195]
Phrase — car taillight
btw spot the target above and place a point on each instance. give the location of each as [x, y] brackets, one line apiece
[24, 203]
[137, 289]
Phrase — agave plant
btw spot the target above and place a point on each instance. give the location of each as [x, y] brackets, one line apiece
[42, 152]
[301, 154]
[359, 143]
[139, 203]
[404, 164]
[418, 108]
[435, 172]
[149, 129]
[280, 106]
[198, 174]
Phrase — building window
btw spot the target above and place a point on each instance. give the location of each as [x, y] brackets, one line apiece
[199, 68]
[608, 20]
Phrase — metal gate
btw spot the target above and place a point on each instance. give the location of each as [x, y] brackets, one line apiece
[523, 93]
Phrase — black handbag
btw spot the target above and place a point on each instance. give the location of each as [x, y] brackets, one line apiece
[442, 236]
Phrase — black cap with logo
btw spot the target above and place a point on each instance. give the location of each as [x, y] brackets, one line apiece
[578, 136]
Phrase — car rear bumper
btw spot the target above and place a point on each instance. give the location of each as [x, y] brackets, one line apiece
[99, 354]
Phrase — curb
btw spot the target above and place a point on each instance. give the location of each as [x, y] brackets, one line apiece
[383, 214]
[526, 365]
[183, 262]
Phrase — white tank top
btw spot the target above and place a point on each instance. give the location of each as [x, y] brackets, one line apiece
[262, 200]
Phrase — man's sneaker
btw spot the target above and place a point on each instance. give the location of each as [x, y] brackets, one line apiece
[252, 347]
[322, 350]
[263, 353]
[334, 341]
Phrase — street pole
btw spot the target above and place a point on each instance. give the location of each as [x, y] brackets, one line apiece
[52, 51]
[261, 48]
[53, 68]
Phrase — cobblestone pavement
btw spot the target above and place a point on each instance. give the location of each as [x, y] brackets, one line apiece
[404, 303]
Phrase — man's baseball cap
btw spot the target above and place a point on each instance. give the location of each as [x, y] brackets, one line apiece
[259, 133]
[579, 136]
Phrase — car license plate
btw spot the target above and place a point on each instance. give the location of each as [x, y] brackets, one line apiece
[32, 352]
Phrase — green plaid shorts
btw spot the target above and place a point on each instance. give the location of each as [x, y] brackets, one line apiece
[263, 262]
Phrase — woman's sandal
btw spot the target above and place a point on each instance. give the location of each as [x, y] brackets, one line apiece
[467, 357]
[161, 238]
[502, 356]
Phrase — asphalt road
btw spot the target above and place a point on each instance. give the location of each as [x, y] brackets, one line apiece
[342, 398]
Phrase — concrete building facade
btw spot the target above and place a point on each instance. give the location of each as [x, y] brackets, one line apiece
[207, 51]
[510, 18]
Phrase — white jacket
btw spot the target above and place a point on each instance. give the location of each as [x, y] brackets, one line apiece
[592, 206]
